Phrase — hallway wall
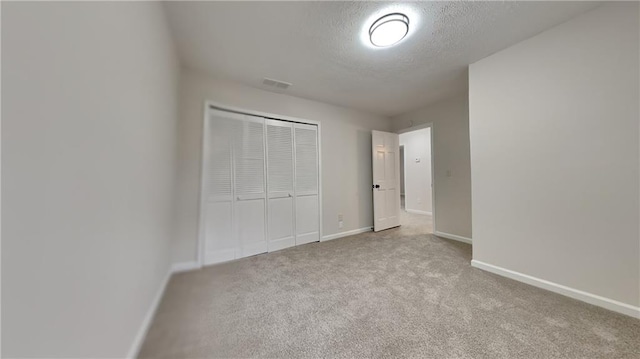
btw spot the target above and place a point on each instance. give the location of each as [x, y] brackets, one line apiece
[417, 170]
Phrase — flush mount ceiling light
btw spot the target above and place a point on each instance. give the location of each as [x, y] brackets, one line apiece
[389, 29]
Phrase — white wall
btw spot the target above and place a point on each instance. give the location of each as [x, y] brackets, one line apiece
[452, 173]
[88, 145]
[554, 145]
[417, 175]
[346, 153]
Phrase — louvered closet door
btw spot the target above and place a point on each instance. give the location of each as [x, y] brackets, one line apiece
[221, 242]
[280, 184]
[306, 183]
[250, 189]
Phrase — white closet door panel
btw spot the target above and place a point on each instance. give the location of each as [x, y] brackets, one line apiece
[279, 157]
[249, 159]
[280, 186]
[250, 226]
[219, 170]
[250, 187]
[307, 224]
[307, 238]
[306, 180]
[306, 153]
[281, 233]
[221, 242]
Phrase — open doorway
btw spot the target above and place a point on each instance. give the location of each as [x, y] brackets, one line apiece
[416, 179]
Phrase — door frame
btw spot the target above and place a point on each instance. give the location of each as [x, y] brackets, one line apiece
[403, 173]
[213, 105]
[433, 173]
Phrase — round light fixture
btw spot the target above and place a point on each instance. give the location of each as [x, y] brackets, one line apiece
[389, 29]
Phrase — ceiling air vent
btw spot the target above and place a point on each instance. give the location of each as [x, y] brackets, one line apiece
[275, 83]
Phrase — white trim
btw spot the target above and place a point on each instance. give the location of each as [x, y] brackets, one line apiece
[415, 128]
[415, 211]
[148, 318]
[433, 177]
[201, 202]
[455, 237]
[267, 115]
[320, 223]
[347, 233]
[185, 266]
[594, 299]
[403, 173]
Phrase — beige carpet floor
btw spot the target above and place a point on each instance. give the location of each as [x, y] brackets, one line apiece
[397, 293]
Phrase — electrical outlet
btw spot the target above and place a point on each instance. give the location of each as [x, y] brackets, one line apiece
[340, 218]
[340, 224]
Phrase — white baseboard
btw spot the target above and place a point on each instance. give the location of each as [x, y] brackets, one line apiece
[347, 233]
[455, 237]
[594, 299]
[148, 318]
[415, 211]
[185, 266]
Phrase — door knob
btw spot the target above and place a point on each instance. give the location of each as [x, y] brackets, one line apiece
[376, 186]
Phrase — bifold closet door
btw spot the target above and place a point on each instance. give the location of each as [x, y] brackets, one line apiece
[280, 186]
[234, 203]
[260, 186]
[307, 224]
[250, 189]
[221, 242]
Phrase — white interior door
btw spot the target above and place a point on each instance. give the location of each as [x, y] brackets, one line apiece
[250, 187]
[307, 225]
[386, 180]
[280, 184]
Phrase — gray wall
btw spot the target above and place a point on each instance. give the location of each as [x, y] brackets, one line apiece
[88, 153]
[346, 153]
[452, 173]
[554, 155]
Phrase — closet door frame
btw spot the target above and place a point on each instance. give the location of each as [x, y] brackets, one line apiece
[212, 105]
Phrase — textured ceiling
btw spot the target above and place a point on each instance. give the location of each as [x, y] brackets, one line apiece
[319, 47]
